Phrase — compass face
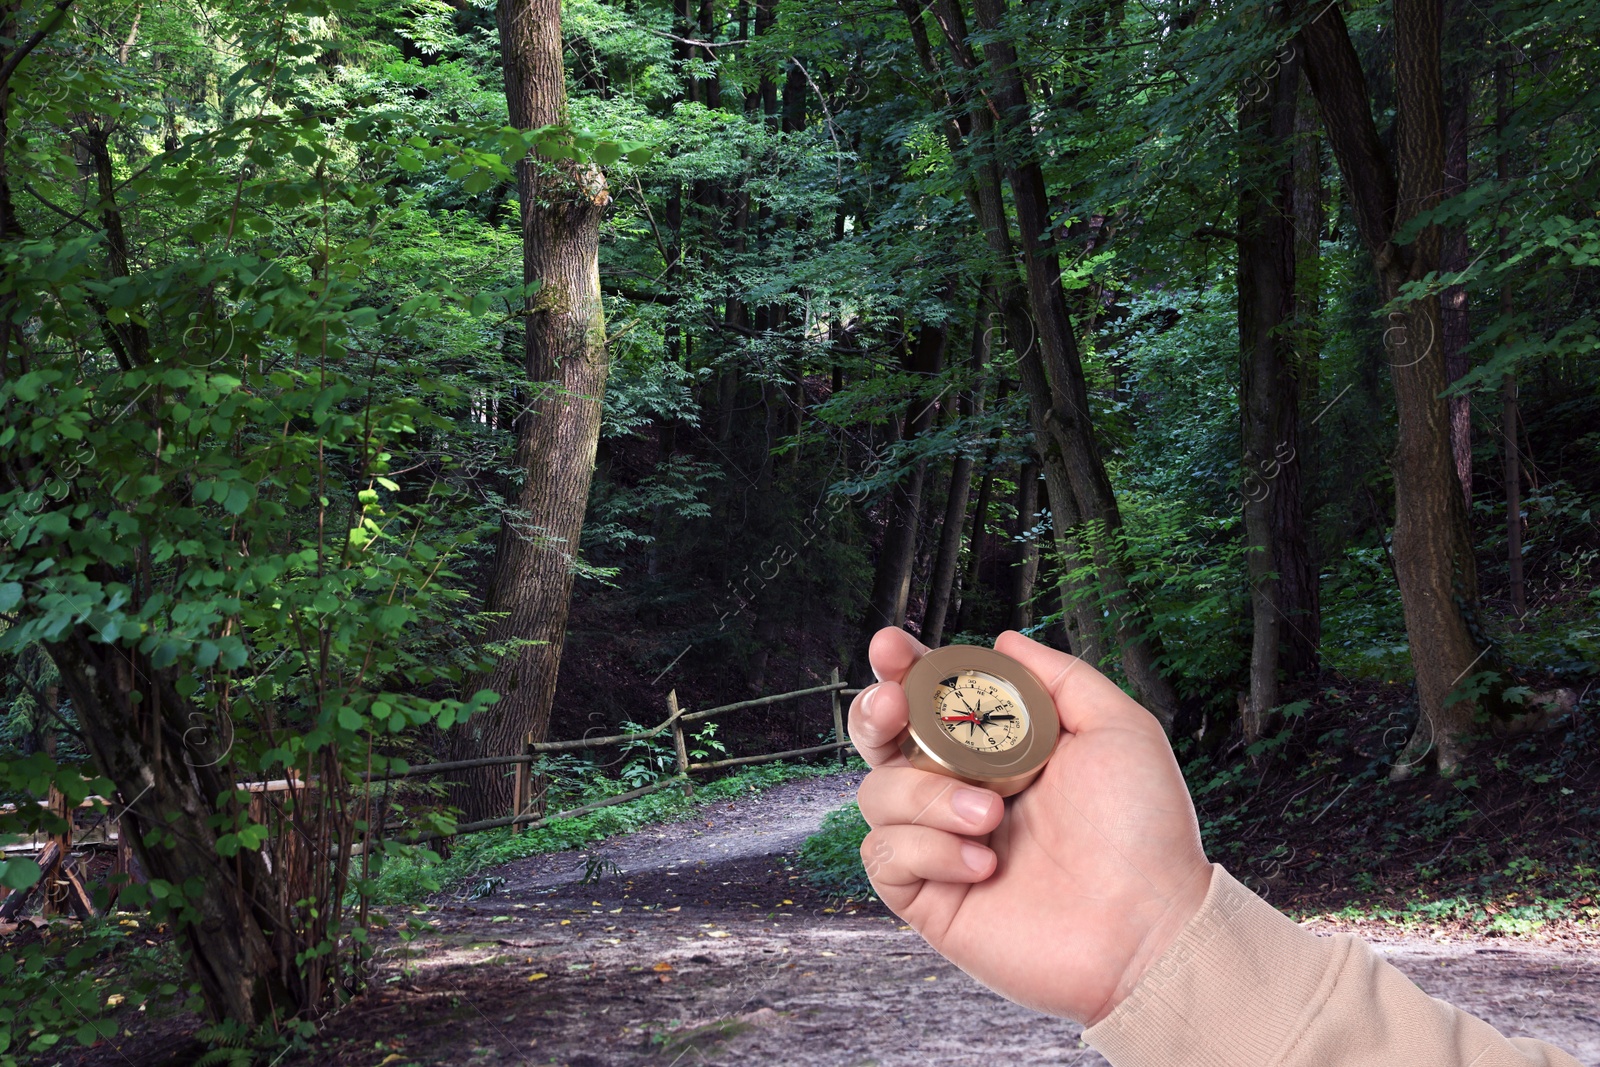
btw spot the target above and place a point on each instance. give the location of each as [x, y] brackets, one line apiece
[980, 711]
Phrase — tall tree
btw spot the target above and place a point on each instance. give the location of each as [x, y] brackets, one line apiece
[530, 583]
[1455, 326]
[1282, 579]
[1050, 365]
[1024, 548]
[941, 584]
[1431, 546]
[891, 583]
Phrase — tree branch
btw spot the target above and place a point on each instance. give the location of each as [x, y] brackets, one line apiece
[50, 26]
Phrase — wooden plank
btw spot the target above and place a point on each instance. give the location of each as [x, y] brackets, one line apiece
[77, 897]
[675, 717]
[48, 861]
[742, 761]
[776, 698]
[838, 715]
[521, 786]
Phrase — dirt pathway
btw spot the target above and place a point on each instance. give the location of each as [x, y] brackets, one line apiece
[702, 946]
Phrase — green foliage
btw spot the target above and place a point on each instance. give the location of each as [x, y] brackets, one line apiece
[412, 879]
[52, 988]
[831, 857]
[1363, 627]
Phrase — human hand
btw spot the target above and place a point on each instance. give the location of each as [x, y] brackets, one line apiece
[1063, 897]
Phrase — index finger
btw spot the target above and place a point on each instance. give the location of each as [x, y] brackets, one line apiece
[878, 713]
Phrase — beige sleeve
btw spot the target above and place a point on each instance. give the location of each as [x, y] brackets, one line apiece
[1244, 986]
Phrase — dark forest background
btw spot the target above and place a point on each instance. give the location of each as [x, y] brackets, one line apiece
[395, 380]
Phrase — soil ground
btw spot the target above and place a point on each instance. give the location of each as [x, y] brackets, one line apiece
[696, 943]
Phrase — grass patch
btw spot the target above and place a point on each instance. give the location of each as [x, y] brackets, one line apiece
[408, 881]
[831, 857]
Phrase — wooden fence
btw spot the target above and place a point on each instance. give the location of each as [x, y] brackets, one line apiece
[523, 814]
[61, 890]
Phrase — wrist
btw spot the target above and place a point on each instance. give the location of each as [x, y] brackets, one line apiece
[1180, 908]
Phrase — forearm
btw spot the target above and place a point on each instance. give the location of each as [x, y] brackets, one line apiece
[1244, 986]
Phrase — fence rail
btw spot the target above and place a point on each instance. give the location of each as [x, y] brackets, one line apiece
[535, 749]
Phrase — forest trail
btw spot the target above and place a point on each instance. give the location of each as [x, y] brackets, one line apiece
[702, 946]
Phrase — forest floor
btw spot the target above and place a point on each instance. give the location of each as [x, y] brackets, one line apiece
[698, 943]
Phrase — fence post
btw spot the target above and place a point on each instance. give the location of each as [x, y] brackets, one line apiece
[522, 785]
[678, 743]
[55, 887]
[838, 714]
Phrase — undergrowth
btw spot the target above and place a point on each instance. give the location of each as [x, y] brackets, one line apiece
[1309, 818]
[408, 882]
[831, 858]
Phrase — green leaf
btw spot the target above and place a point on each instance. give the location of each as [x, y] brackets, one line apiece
[350, 718]
[19, 872]
[10, 595]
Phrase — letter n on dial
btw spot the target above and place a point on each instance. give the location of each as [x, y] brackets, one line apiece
[981, 712]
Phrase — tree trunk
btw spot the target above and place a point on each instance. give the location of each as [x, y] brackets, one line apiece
[891, 582]
[1050, 366]
[1432, 549]
[1309, 222]
[1511, 458]
[980, 526]
[1024, 548]
[239, 945]
[974, 131]
[1456, 329]
[941, 584]
[531, 578]
[1282, 580]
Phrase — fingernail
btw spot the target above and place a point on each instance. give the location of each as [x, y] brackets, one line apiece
[971, 804]
[975, 857]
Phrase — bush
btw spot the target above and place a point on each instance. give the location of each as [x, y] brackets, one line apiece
[831, 857]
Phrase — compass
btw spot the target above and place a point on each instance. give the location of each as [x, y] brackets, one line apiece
[979, 716]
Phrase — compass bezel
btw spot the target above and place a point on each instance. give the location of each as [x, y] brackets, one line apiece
[928, 746]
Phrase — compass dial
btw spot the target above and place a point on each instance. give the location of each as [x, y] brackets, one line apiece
[981, 711]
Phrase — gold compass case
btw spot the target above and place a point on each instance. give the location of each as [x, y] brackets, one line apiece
[979, 716]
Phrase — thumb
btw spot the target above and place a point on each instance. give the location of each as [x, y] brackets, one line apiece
[1085, 699]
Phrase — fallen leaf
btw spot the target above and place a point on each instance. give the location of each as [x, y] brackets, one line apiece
[679, 908]
[788, 902]
[828, 953]
[613, 940]
[566, 922]
[393, 1057]
[931, 978]
[662, 966]
[536, 977]
[718, 933]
